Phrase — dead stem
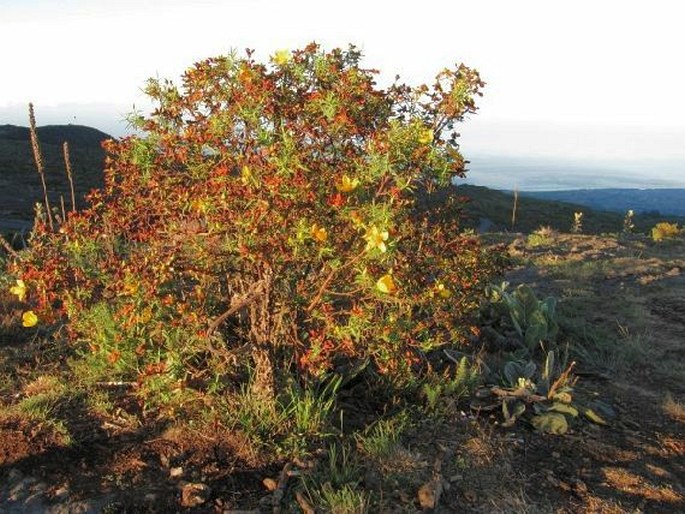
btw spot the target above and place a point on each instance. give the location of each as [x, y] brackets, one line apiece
[38, 157]
[70, 177]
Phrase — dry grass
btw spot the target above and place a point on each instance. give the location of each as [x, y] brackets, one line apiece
[673, 408]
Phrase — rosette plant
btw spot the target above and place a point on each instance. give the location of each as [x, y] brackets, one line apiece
[281, 216]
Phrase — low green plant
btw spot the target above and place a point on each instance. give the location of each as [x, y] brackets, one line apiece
[308, 409]
[542, 236]
[381, 440]
[443, 391]
[577, 226]
[662, 231]
[336, 486]
[534, 320]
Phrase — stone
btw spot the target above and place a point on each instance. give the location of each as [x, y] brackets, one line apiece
[194, 494]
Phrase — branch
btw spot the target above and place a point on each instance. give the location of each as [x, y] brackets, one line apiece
[238, 303]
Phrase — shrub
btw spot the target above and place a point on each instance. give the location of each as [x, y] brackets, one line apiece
[665, 230]
[272, 217]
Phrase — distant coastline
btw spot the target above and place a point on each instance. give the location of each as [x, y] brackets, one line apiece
[534, 174]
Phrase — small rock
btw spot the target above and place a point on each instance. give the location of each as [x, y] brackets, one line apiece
[429, 493]
[556, 455]
[270, 484]
[470, 496]
[193, 495]
[176, 472]
[61, 493]
[151, 497]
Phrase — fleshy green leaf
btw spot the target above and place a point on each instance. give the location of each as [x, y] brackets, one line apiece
[564, 408]
[550, 423]
[594, 417]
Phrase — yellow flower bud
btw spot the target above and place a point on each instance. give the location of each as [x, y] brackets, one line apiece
[29, 319]
[386, 284]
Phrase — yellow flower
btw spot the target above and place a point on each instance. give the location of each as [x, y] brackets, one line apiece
[426, 136]
[245, 175]
[376, 239]
[19, 290]
[130, 288]
[29, 319]
[319, 233]
[282, 57]
[386, 284]
[347, 184]
[356, 218]
[442, 290]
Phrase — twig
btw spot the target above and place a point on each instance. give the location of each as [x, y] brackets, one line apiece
[64, 211]
[328, 279]
[8, 247]
[38, 157]
[279, 493]
[513, 211]
[562, 378]
[238, 303]
[303, 503]
[117, 383]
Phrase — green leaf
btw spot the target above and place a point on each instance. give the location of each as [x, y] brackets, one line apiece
[564, 408]
[528, 300]
[594, 417]
[550, 423]
[563, 397]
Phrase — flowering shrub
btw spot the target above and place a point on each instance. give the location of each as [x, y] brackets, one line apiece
[664, 230]
[273, 215]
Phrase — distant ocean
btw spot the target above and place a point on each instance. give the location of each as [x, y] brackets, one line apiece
[546, 174]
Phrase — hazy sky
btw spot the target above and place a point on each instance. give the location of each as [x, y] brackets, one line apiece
[597, 79]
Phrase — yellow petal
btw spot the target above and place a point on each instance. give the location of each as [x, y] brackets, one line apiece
[443, 291]
[319, 233]
[347, 184]
[426, 136]
[282, 57]
[376, 239]
[19, 290]
[386, 284]
[29, 319]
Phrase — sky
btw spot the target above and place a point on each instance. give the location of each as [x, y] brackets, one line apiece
[593, 80]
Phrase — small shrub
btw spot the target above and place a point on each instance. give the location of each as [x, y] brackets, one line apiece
[534, 321]
[665, 230]
[541, 237]
[270, 217]
[628, 222]
[577, 226]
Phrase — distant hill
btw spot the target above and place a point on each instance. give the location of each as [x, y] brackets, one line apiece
[490, 210]
[56, 134]
[662, 201]
[20, 187]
